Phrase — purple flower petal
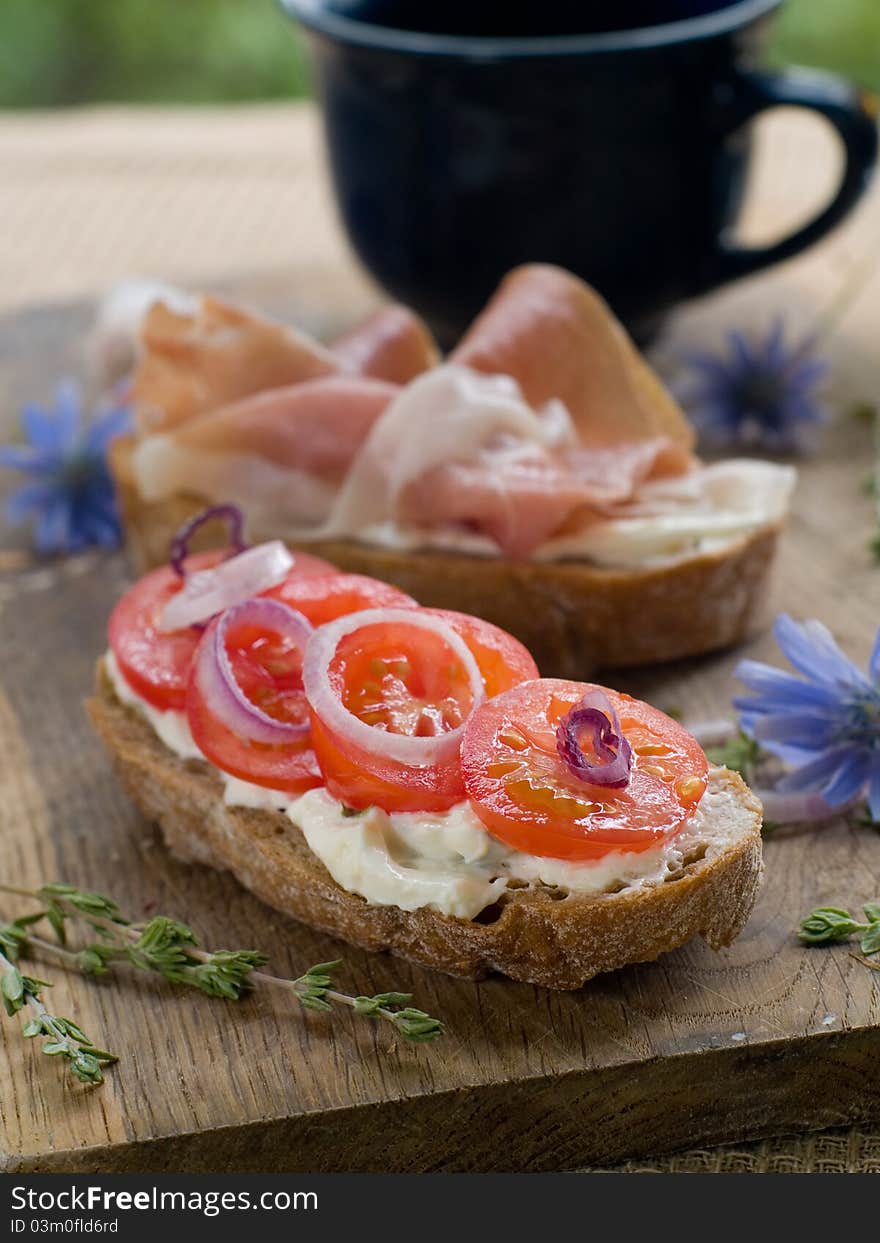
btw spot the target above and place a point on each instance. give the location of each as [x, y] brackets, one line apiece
[808, 372]
[813, 651]
[68, 409]
[791, 756]
[760, 391]
[25, 500]
[71, 499]
[874, 661]
[42, 430]
[874, 792]
[740, 348]
[805, 730]
[57, 428]
[783, 688]
[820, 772]
[849, 780]
[52, 531]
[25, 458]
[99, 524]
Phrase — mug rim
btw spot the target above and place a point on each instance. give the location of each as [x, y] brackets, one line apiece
[317, 17]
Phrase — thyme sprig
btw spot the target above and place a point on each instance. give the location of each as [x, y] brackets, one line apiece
[827, 925]
[315, 992]
[65, 1038]
[169, 948]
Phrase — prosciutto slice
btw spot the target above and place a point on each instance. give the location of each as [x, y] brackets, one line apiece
[281, 453]
[391, 344]
[467, 452]
[559, 339]
[193, 362]
[545, 422]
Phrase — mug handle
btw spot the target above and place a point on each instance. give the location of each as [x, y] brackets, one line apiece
[852, 112]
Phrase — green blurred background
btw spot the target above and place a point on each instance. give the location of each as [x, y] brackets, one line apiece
[59, 52]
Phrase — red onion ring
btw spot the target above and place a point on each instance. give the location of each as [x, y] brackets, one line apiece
[180, 543]
[207, 592]
[329, 708]
[216, 680]
[595, 713]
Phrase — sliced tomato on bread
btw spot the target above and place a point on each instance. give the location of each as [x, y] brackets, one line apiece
[529, 798]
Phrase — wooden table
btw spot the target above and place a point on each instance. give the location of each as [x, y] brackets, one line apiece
[196, 1065]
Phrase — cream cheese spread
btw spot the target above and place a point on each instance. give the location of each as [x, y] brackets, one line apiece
[172, 729]
[445, 861]
[448, 862]
[170, 726]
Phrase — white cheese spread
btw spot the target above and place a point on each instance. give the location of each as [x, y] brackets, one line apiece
[170, 726]
[448, 862]
[445, 861]
[172, 729]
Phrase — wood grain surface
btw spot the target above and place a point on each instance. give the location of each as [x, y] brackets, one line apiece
[763, 1038]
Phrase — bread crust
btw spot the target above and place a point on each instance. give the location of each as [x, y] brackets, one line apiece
[572, 616]
[537, 934]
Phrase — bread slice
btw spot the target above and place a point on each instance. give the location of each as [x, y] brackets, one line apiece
[572, 616]
[537, 933]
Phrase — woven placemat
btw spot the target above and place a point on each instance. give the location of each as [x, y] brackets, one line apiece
[209, 196]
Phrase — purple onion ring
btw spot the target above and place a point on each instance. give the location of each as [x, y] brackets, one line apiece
[613, 752]
[215, 678]
[180, 544]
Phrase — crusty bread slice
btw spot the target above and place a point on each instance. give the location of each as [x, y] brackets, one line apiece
[537, 933]
[572, 616]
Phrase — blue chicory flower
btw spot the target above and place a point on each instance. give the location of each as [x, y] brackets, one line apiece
[69, 496]
[762, 393]
[824, 724]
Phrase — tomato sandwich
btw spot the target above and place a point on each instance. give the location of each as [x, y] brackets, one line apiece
[403, 777]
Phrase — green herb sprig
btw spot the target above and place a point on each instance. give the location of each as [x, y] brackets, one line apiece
[740, 753]
[828, 925]
[315, 992]
[170, 949]
[18, 991]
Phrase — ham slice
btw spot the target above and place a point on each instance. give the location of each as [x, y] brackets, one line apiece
[113, 345]
[466, 452]
[195, 362]
[391, 344]
[518, 503]
[317, 426]
[559, 339]
[545, 421]
[280, 454]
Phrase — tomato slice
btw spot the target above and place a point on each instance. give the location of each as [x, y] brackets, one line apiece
[502, 659]
[395, 679]
[269, 672]
[528, 798]
[155, 663]
[324, 597]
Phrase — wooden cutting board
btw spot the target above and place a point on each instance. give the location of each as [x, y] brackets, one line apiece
[701, 1047]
